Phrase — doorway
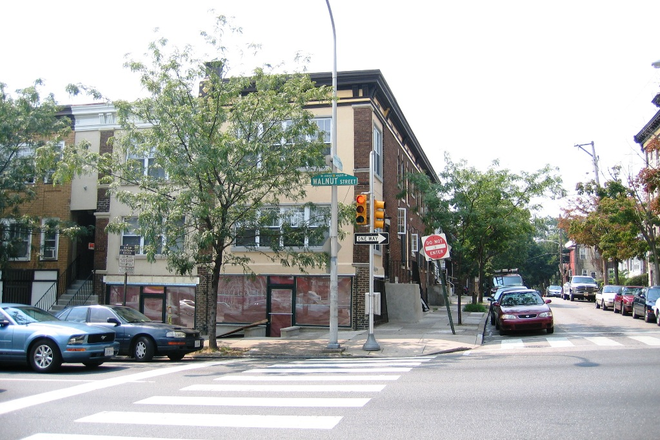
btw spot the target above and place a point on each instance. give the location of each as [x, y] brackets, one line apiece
[280, 309]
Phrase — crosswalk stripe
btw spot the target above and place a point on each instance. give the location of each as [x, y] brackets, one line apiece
[512, 344]
[278, 402]
[308, 378]
[328, 370]
[287, 388]
[213, 420]
[49, 436]
[559, 342]
[648, 340]
[603, 341]
[348, 365]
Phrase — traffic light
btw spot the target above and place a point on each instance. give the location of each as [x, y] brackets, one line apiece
[379, 214]
[361, 212]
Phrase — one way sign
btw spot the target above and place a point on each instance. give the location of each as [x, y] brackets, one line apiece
[372, 238]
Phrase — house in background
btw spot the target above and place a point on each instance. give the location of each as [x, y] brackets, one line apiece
[368, 119]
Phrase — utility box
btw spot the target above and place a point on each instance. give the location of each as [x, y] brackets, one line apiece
[376, 303]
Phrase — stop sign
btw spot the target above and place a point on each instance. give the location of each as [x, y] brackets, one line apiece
[435, 246]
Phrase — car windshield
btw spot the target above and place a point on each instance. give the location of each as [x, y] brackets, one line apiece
[522, 299]
[28, 314]
[584, 280]
[631, 290]
[653, 295]
[611, 289]
[130, 315]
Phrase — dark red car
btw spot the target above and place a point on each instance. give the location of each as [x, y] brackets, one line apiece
[624, 299]
[523, 310]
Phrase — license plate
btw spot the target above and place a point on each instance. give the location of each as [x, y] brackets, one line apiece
[198, 344]
[109, 351]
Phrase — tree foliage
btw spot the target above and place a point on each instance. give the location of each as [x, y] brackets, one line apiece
[225, 154]
[30, 135]
[487, 215]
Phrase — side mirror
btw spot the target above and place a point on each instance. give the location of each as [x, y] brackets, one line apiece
[548, 301]
[491, 299]
[114, 321]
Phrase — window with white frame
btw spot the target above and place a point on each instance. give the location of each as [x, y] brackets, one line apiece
[583, 253]
[297, 226]
[378, 152]
[414, 243]
[401, 221]
[146, 164]
[50, 238]
[16, 238]
[132, 237]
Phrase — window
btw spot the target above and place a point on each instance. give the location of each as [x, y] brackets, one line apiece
[146, 164]
[49, 239]
[299, 226]
[48, 177]
[414, 243]
[25, 161]
[132, 237]
[325, 125]
[378, 150]
[16, 238]
[401, 221]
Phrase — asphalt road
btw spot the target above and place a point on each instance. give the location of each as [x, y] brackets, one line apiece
[571, 384]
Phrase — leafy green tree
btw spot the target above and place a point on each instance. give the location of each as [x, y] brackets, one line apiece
[225, 152]
[30, 134]
[485, 214]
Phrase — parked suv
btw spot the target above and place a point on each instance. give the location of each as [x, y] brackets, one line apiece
[580, 286]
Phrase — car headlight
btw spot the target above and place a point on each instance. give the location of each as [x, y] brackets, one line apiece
[509, 316]
[545, 315]
[76, 340]
[175, 334]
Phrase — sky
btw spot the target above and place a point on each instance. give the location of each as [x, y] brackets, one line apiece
[518, 81]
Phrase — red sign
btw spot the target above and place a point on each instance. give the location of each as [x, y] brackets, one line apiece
[436, 247]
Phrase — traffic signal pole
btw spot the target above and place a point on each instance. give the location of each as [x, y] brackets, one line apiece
[371, 344]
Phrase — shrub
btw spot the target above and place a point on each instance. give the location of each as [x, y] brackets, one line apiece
[474, 308]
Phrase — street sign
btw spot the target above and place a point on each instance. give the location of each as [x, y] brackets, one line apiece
[126, 258]
[372, 238]
[333, 179]
[435, 246]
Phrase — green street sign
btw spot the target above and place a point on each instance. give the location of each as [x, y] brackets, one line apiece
[332, 179]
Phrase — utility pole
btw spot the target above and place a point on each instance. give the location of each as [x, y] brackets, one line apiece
[593, 157]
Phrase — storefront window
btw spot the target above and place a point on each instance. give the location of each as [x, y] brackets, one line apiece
[132, 299]
[241, 299]
[181, 306]
[313, 301]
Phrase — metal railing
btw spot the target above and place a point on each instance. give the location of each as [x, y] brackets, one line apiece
[85, 291]
[48, 299]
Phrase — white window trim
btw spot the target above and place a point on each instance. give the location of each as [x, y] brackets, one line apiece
[28, 240]
[55, 249]
[401, 223]
[414, 243]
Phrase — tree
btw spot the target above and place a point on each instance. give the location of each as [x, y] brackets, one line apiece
[222, 159]
[485, 214]
[30, 134]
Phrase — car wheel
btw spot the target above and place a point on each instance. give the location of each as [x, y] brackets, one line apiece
[93, 364]
[647, 318]
[143, 350]
[551, 330]
[614, 308]
[502, 332]
[492, 319]
[597, 305]
[45, 356]
[603, 307]
[623, 310]
[572, 298]
[175, 356]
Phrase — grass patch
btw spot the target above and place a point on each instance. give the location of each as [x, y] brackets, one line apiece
[474, 308]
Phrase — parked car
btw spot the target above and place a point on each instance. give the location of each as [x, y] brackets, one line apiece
[496, 296]
[523, 310]
[644, 302]
[139, 337]
[580, 287]
[656, 310]
[31, 335]
[553, 291]
[623, 301]
[605, 298]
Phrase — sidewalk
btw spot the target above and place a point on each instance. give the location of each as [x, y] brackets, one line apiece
[431, 335]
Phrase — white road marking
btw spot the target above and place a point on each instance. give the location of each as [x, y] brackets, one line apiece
[308, 378]
[287, 388]
[509, 344]
[603, 341]
[648, 340]
[213, 420]
[559, 342]
[47, 436]
[50, 396]
[328, 370]
[273, 402]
